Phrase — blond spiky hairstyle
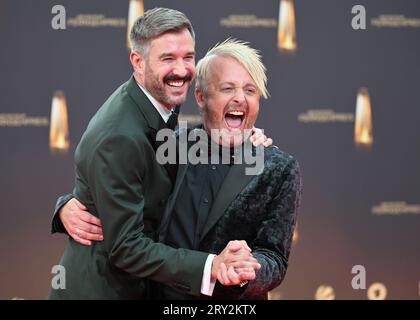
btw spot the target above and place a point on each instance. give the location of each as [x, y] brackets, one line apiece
[240, 51]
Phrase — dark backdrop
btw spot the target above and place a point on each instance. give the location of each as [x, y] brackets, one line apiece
[337, 225]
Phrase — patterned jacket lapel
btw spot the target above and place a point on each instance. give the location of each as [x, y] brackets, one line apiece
[235, 181]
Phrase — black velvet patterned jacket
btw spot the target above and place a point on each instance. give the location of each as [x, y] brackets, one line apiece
[260, 209]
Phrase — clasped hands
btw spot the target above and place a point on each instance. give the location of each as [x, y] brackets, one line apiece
[235, 264]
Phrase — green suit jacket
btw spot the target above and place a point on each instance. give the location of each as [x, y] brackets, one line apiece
[120, 181]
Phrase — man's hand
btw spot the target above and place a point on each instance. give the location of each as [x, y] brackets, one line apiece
[79, 223]
[234, 264]
[258, 138]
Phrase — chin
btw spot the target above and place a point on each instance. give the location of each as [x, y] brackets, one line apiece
[176, 101]
[179, 97]
[232, 137]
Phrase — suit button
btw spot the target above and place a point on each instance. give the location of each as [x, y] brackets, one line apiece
[206, 200]
[213, 167]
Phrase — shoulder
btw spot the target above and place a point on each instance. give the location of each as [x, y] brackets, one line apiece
[281, 170]
[118, 117]
[279, 160]
[186, 130]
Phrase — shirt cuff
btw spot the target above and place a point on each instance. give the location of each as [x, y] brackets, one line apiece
[207, 285]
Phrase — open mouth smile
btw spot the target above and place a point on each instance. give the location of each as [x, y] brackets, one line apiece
[234, 118]
[175, 83]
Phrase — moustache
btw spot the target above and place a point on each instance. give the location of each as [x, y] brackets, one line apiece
[187, 78]
[236, 106]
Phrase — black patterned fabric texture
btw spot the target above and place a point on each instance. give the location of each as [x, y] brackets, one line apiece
[264, 214]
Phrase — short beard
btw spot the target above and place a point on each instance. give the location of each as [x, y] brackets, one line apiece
[153, 86]
[157, 89]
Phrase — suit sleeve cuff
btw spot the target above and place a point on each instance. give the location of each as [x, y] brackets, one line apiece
[56, 224]
[207, 285]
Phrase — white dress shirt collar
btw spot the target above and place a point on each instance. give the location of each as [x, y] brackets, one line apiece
[164, 112]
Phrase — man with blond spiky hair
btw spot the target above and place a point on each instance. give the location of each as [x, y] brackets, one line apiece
[261, 208]
[232, 52]
[215, 202]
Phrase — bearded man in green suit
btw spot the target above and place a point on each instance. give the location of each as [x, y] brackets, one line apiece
[119, 180]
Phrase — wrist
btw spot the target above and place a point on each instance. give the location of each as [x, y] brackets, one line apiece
[214, 269]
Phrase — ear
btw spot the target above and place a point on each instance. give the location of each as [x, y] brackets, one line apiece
[137, 61]
[200, 98]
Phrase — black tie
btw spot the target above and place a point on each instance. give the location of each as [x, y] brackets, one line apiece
[173, 119]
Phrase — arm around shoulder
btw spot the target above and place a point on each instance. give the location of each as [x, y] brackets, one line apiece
[116, 180]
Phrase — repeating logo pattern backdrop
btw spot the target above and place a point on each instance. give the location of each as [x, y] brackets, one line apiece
[345, 94]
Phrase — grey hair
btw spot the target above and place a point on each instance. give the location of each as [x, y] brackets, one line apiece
[155, 22]
[241, 52]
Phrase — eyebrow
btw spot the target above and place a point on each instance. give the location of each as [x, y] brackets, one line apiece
[233, 84]
[226, 83]
[166, 55]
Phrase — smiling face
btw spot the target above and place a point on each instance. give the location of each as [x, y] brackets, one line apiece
[169, 67]
[231, 102]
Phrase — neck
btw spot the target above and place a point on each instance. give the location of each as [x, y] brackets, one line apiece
[217, 139]
[140, 81]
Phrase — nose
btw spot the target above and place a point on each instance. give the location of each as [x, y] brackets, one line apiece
[239, 97]
[180, 69]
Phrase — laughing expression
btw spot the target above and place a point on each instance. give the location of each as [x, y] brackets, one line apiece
[170, 67]
[231, 103]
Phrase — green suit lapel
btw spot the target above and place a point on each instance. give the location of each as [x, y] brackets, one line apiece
[163, 230]
[153, 119]
[152, 116]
